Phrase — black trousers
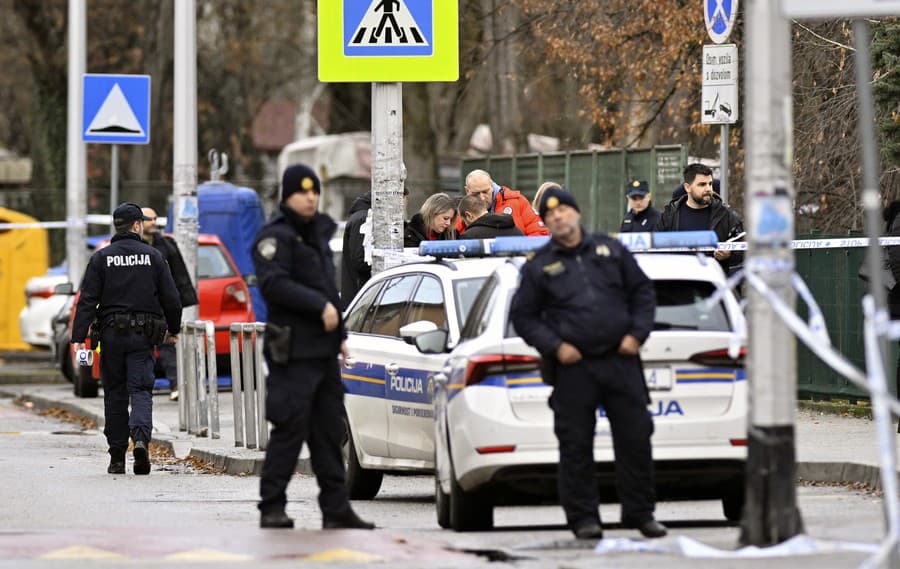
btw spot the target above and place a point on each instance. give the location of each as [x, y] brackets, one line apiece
[305, 403]
[617, 383]
[126, 370]
[168, 361]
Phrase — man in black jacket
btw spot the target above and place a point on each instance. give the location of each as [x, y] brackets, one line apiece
[167, 358]
[586, 306]
[355, 271]
[129, 288]
[483, 225]
[702, 209]
[304, 336]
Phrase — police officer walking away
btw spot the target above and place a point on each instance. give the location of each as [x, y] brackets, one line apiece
[304, 335]
[166, 356]
[587, 307]
[128, 295]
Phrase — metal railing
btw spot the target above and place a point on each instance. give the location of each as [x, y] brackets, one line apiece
[248, 384]
[198, 401]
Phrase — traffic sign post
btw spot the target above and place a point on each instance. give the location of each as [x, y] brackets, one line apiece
[720, 99]
[720, 16]
[386, 42]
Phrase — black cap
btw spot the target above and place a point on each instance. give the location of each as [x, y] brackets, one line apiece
[129, 213]
[554, 197]
[299, 178]
[637, 188]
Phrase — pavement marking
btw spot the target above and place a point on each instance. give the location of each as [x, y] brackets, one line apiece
[341, 554]
[204, 554]
[80, 552]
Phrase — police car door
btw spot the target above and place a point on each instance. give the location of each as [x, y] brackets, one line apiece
[410, 381]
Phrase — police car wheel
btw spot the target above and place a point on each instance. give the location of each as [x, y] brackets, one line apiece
[85, 385]
[469, 511]
[362, 483]
[733, 506]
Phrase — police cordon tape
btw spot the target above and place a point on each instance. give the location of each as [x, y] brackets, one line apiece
[90, 219]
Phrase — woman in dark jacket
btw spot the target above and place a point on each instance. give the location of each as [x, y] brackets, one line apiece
[435, 220]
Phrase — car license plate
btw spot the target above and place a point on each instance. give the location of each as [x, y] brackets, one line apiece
[658, 378]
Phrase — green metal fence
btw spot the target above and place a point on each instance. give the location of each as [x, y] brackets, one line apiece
[596, 178]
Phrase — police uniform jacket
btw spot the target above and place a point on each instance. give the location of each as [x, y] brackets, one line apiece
[640, 221]
[129, 276]
[296, 278]
[590, 296]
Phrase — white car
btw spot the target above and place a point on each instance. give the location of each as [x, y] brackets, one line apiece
[494, 435]
[389, 383]
[42, 305]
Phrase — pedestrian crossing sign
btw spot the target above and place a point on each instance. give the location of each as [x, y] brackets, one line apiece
[388, 40]
[116, 109]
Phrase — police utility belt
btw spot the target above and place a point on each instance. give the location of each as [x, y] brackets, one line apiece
[153, 326]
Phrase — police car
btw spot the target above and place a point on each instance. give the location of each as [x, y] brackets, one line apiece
[389, 383]
[494, 440]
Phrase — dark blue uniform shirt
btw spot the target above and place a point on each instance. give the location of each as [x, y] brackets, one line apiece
[590, 296]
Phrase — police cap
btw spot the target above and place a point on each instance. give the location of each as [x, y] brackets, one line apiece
[129, 213]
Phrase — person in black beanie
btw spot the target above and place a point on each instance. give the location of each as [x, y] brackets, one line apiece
[304, 336]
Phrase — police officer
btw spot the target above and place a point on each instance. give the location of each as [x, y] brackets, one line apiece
[304, 335]
[587, 307]
[641, 216]
[128, 288]
[166, 356]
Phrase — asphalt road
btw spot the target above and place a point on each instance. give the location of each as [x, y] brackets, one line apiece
[57, 502]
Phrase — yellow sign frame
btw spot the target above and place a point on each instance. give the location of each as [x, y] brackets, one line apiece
[335, 67]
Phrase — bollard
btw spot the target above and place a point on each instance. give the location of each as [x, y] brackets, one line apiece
[234, 338]
[200, 354]
[179, 362]
[213, 377]
[197, 345]
[260, 376]
[188, 381]
[249, 383]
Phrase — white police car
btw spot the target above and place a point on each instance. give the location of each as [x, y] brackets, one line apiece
[494, 438]
[389, 383]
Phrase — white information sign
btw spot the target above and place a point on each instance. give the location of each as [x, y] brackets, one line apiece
[720, 84]
[840, 8]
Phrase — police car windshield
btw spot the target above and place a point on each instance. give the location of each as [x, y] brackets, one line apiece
[681, 305]
[465, 291]
[212, 263]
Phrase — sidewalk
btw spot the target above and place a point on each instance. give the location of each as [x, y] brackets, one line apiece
[830, 448]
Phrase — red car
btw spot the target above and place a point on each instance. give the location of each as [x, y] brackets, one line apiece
[224, 299]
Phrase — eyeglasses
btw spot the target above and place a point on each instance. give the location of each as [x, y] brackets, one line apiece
[151, 219]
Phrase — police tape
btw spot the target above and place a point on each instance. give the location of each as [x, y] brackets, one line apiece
[92, 219]
[800, 244]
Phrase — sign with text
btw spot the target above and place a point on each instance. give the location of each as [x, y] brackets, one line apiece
[720, 84]
[840, 8]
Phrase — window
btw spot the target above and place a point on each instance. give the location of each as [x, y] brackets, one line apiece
[357, 317]
[388, 311]
[212, 263]
[465, 291]
[428, 303]
[681, 305]
[477, 319]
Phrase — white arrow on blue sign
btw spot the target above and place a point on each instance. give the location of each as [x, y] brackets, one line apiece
[720, 16]
[116, 109]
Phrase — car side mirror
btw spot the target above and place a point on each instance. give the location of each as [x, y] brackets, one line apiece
[411, 331]
[64, 288]
[251, 280]
[434, 342]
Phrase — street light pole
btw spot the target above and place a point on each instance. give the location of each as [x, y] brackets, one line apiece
[388, 172]
[76, 151]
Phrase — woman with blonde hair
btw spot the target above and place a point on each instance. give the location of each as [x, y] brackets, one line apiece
[535, 203]
[436, 220]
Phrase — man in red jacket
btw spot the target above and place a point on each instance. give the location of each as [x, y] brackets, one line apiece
[501, 199]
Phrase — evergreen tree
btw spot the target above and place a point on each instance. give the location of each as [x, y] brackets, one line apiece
[886, 64]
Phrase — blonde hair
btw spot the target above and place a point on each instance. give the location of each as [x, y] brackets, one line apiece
[536, 202]
[435, 205]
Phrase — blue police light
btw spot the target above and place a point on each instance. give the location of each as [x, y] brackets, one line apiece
[452, 248]
[679, 239]
[516, 245]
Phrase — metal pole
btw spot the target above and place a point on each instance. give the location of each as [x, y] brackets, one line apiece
[263, 429]
[770, 509]
[76, 151]
[184, 176]
[250, 382]
[213, 379]
[872, 206]
[388, 171]
[723, 163]
[114, 179]
[188, 381]
[182, 397]
[234, 337]
[199, 346]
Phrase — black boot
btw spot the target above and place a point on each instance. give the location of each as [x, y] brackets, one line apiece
[276, 520]
[141, 458]
[345, 520]
[116, 461]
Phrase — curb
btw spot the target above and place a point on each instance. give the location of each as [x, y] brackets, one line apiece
[840, 472]
[838, 408]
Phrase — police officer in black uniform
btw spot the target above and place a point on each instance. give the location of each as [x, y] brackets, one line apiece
[304, 336]
[128, 297]
[642, 216]
[587, 307]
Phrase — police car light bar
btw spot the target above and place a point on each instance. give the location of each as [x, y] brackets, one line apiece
[507, 246]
